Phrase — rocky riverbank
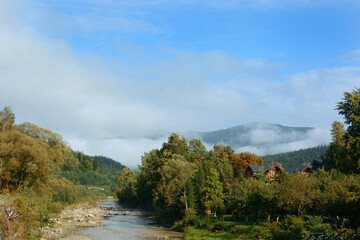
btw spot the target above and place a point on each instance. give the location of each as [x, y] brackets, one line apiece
[90, 220]
[73, 219]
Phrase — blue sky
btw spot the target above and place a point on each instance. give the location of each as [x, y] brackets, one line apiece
[94, 70]
[300, 35]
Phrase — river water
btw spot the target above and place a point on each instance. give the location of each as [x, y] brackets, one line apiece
[134, 226]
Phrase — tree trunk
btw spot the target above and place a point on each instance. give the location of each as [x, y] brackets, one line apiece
[186, 201]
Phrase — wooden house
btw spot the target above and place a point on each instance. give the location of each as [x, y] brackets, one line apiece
[305, 170]
[272, 171]
[317, 164]
[269, 171]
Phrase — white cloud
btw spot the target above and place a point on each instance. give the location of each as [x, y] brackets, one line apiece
[46, 83]
[272, 141]
[127, 151]
[351, 56]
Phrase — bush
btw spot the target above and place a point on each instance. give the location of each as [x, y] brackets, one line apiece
[218, 226]
[316, 225]
[293, 228]
[190, 218]
[56, 207]
[238, 230]
[44, 216]
[20, 220]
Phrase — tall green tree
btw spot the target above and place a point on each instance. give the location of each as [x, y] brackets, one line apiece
[297, 193]
[29, 155]
[212, 192]
[126, 191]
[175, 174]
[336, 157]
[349, 107]
[175, 145]
[197, 147]
[7, 119]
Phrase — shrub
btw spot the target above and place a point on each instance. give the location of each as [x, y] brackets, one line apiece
[20, 220]
[316, 225]
[190, 218]
[239, 229]
[55, 207]
[218, 226]
[293, 228]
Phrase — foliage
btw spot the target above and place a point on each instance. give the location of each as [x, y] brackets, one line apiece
[344, 152]
[40, 173]
[212, 191]
[293, 228]
[238, 161]
[225, 228]
[82, 169]
[314, 224]
[7, 119]
[126, 191]
[297, 194]
[20, 220]
[175, 174]
[296, 158]
[29, 155]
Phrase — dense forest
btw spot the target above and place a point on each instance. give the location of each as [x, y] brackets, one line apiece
[97, 171]
[296, 158]
[207, 193]
[40, 175]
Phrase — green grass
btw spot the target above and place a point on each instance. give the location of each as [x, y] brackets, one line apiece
[225, 228]
[192, 233]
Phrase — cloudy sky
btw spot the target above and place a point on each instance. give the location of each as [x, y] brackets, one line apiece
[107, 74]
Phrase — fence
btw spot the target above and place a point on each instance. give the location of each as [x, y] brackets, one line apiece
[343, 235]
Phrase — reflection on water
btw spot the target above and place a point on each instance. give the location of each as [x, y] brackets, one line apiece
[130, 227]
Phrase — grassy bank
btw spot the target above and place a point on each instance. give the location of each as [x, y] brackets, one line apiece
[226, 227]
[229, 227]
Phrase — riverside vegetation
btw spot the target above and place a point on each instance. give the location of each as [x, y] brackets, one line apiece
[40, 175]
[206, 194]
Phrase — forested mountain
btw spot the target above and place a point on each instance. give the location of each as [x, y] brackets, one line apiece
[258, 135]
[108, 165]
[296, 158]
[96, 171]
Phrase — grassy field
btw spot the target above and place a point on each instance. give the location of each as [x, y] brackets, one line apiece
[225, 227]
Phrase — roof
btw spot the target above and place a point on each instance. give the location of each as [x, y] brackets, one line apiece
[295, 169]
[255, 168]
[318, 160]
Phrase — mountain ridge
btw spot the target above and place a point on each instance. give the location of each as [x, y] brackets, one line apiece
[254, 136]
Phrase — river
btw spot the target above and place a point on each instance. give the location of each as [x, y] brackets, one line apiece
[134, 226]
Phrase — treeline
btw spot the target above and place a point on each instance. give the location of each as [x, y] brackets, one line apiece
[184, 175]
[296, 158]
[182, 182]
[40, 174]
[181, 178]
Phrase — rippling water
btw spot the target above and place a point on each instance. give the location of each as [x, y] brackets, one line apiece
[130, 227]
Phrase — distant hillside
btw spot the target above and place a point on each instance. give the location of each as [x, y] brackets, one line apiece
[261, 138]
[92, 170]
[296, 158]
[254, 134]
[109, 166]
